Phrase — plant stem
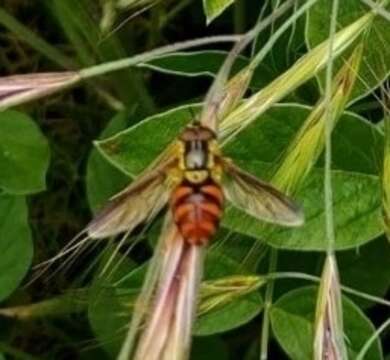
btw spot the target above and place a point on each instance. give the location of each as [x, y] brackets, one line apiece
[272, 40]
[150, 55]
[328, 193]
[370, 341]
[120, 64]
[378, 8]
[346, 289]
[269, 292]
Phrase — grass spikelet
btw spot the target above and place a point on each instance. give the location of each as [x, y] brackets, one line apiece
[309, 141]
[18, 89]
[328, 328]
[386, 178]
[235, 91]
[165, 309]
[216, 293]
[305, 68]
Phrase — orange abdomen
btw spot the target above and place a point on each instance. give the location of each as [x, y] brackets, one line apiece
[197, 210]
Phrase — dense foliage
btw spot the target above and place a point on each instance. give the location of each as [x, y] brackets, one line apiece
[64, 155]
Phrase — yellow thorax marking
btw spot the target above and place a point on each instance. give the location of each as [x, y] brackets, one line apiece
[196, 176]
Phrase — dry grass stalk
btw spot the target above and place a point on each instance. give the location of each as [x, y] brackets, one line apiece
[18, 89]
[328, 329]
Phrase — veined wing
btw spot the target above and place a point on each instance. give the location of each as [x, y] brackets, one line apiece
[141, 200]
[258, 198]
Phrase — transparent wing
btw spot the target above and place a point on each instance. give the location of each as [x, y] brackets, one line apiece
[140, 201]
[259, 199]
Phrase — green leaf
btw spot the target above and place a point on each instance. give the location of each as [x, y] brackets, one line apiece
[375, 67]
[102, 179]
[357, 149]
[24, 154]
[206, 63]
[292, 319]
[194, 63]
[214, 8]
[357, 146]
[133, 149]
[16, 246]
[109, 326]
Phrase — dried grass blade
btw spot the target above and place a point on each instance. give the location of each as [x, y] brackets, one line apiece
[19, 89]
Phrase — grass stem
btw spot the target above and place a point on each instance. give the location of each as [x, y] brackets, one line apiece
[269, 292]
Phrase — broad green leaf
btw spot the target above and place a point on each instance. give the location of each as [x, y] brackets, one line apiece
[206, 63]
[357, 150]
[102, 179]
[375, 67]
[109, 326]
[24, 154]
[214, 8]
[357, 146]
[133, 149]
[16, 246]
[357, 211]
[194, 63]
[292, 318]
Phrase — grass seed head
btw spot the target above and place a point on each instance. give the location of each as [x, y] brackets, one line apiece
[309, 141]
[19, 89]
[328, 328]
[304, 69]
[219, 292]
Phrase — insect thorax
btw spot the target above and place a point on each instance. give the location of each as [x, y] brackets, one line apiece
[198, 152]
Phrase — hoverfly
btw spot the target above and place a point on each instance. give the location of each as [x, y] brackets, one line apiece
[195, 179]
